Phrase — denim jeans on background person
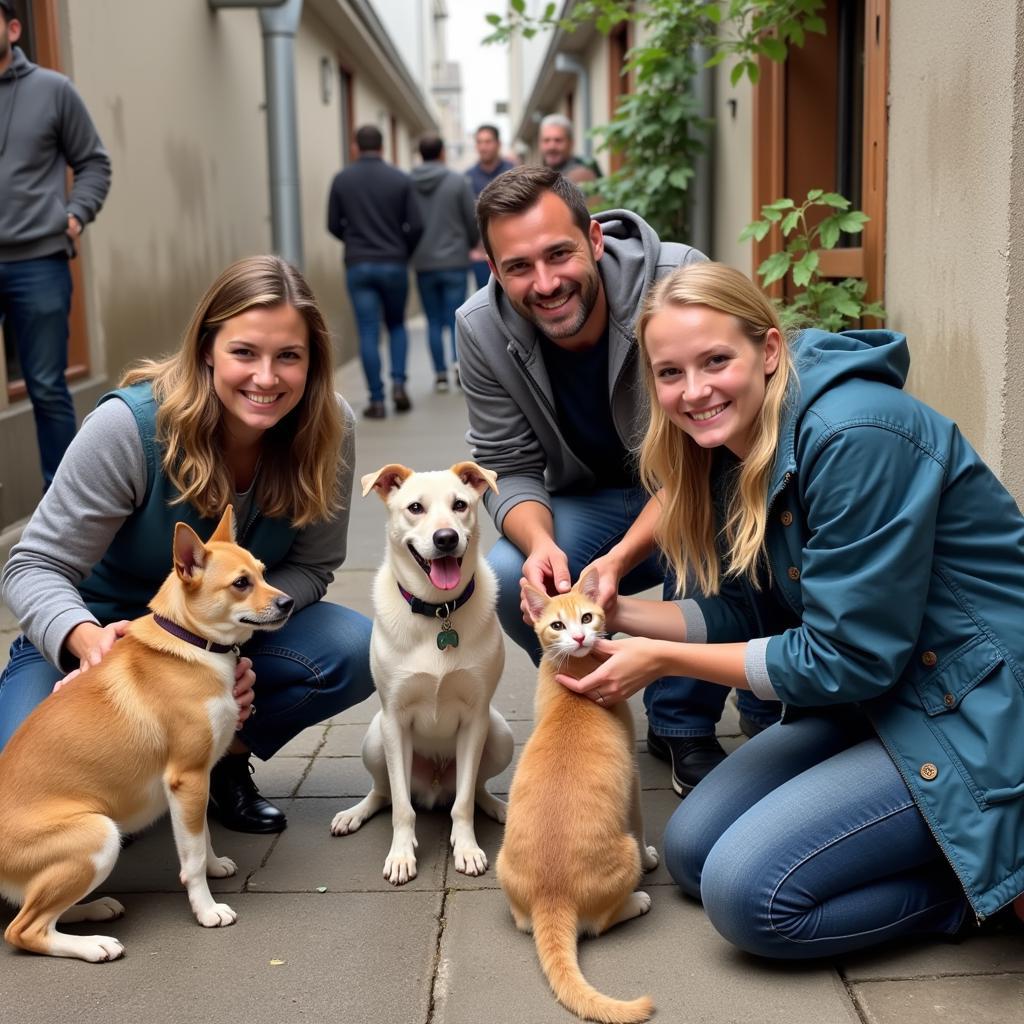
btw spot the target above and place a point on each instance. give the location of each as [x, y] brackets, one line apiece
[315, 666]
[376, 288]
[586, 526]
[805, 842]
[481, 272]
[441, 294]
[35, 302]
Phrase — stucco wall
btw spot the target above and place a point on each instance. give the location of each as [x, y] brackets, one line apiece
[175, 92]
[951, 137]
[733, 171]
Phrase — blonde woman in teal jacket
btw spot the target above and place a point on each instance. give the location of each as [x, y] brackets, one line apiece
[854, 557]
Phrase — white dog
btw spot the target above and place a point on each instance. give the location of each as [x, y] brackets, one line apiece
[436, 654]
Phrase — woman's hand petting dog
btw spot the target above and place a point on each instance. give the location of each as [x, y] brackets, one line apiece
[91, 644]
[245, 695]
[96, 642]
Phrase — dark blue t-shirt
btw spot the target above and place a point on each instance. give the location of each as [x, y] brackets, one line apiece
[479, 179]
[579, 381]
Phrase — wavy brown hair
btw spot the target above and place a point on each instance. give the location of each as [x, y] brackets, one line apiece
[298, 476]
[674, 464]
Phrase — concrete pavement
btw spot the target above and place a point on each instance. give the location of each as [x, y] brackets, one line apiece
[322, 937]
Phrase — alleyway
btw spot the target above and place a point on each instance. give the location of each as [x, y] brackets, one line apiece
[322, 937]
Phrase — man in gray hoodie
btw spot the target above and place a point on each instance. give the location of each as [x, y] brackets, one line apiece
[556, 407]
[44, 129]
[442, 257]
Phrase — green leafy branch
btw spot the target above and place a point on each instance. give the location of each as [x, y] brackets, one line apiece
[832, 305]
[658, 125]
[741, 29]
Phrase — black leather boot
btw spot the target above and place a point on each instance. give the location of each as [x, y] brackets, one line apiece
[236, 802]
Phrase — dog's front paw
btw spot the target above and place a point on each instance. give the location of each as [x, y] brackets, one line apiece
[217, 915]
[650, 858]
[346, 821]
[400, 867]
[492, 806]
[97, 949]
[469, 858]
[220, 867]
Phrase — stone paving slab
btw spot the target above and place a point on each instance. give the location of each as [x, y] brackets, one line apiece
[671, 954]
[963, 1000]
[150, 862]
[307, 855]
[176, 972]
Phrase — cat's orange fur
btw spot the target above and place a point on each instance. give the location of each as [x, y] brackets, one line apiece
[574, 848]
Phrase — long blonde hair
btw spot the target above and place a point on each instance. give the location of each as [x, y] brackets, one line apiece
[674, 464]
[298, 475]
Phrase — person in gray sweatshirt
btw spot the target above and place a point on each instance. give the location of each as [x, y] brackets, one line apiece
[556, 408]
[44, 129]
[442, 257]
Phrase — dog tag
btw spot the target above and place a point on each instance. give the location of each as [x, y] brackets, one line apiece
[447, 637]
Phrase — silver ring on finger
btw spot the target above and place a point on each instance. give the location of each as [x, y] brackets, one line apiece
[600, 697]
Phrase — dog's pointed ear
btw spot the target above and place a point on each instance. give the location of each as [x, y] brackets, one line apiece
[588, 584]
[189, 552]
[385, 479]
[226, 527]
[536, 600]
[476, 476]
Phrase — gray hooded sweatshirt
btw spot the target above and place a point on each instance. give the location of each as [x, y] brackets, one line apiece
[449, 218]
[44, 129]
[513, 424]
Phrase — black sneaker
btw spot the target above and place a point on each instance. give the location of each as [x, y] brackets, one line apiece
[236, 802]
[401, 398]
[691, 757]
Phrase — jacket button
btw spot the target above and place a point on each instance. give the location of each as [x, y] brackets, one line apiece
[929, 771]
[786, 518]
[949, 700]
[793, 573]
[929, 658]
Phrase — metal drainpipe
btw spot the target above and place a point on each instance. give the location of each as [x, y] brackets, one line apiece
[566, 62]
[703, 186]
[279, 20]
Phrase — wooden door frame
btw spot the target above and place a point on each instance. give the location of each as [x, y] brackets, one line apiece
[769, 165]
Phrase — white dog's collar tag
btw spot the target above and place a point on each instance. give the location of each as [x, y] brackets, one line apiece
[447, 637]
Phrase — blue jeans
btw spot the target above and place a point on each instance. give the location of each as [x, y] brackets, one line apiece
[806, 842]
[35, 300]
[481, 272]
[441, 293]
[586, 526]
[373, 288]
[314, 667]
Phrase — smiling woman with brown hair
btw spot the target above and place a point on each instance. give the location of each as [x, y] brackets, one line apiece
[244, 413]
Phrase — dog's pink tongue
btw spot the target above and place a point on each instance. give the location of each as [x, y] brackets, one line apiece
[444, 572]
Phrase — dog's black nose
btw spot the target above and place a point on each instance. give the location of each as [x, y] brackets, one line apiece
[446, 540]
[284, 604]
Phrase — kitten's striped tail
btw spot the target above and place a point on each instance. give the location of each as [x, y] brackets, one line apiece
[554, 931]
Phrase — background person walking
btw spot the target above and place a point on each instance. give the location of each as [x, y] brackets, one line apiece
[481, 174]
[442, 257]
[372, 208]
[44, 129]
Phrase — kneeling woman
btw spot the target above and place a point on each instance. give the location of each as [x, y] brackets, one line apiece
[855, 558]
[244, 413]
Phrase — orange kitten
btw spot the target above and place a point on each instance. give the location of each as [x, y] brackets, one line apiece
[574, 846]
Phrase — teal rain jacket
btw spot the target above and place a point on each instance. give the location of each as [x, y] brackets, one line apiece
[901, 559]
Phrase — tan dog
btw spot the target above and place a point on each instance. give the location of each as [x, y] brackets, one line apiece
[437, 654]
[136, 735]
